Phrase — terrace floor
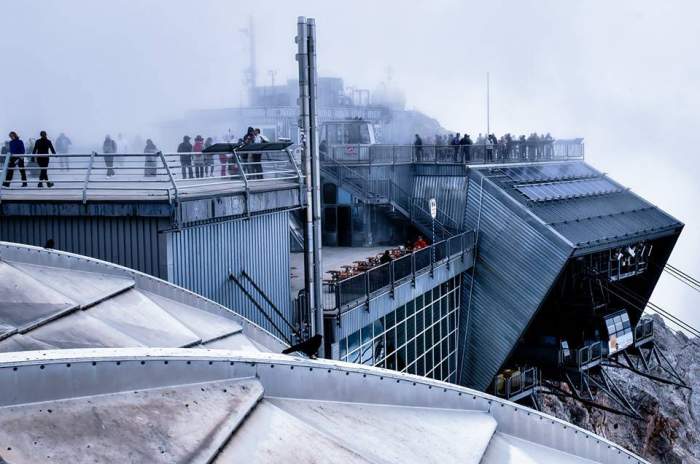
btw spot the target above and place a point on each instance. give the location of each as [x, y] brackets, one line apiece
[332, 258]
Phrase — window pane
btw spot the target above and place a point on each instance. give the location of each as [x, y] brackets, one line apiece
[401, 334]
[400, 314]
[410, 309]
[354, 341]
[420, 326]
[401, 359]
[420, 366]
[390, 320]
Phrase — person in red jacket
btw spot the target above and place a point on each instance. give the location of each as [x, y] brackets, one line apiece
[198, 156]
[420, 243]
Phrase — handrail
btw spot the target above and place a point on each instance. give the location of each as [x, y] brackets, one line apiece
[241, 170]
[233, 277]
[87, 177]
[521, 381]
[362, 287]
[514, 151]
[170, 175]
[269, 301]
[3, 174]
[403, 199]
[84, 177]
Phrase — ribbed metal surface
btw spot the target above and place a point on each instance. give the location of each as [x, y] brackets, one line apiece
[448, 191]
[578, 208]
[129, 241]
[596, 218]
[202, 257]
[518, 260]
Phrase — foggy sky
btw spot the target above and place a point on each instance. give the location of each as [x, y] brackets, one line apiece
[622, 74]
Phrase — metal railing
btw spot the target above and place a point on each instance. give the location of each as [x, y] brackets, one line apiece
[385, 190]
[157, 175]
[644, 332]
[516, 151]
[517, 384]
[362, 287]
[582, 358]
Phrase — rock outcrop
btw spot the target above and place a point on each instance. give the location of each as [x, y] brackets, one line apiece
[669, 431]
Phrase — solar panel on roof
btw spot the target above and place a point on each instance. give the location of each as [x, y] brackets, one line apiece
[568, 189]
[549, 172]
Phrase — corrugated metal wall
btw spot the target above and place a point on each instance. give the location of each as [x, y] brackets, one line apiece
[200, 258]
[517, 262]
[450, 193]
[130, 241]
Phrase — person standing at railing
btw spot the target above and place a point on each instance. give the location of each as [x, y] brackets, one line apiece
[208, 158]
[198, 156]
[150, 169]
[43, 147]
[455, 143]
[256, 158]
[63, 144]
[109, 148]
[15, 150]
[418, 148]
[185, 158]
[548, 142]
[508, 146]
[465, 144]
[491, 143]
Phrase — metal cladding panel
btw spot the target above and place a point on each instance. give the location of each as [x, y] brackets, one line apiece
[201, 258]
[518, 261]
[129, 241]
[605, 213]
[579, 208]
[629, 225]
[448, 191]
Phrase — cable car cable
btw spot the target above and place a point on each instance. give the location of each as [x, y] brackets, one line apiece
[656, 308]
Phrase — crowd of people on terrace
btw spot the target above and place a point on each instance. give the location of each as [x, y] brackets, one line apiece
[358, 267]
[489, 148]
[32, 159]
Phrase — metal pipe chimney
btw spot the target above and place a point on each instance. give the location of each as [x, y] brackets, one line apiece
[306, 57]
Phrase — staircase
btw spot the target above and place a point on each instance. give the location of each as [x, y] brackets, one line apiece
[385, 192]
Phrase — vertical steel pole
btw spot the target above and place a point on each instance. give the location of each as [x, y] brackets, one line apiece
[304, 125]
[488, 106]
[315, 177]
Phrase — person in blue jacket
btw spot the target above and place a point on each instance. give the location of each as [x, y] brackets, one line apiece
[16, 160]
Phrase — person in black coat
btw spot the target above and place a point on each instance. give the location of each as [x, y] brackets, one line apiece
[42, 147]
[186, 158]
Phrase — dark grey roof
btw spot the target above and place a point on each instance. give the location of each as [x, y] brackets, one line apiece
[583, 205]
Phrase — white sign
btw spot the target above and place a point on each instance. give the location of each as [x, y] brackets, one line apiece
[433, 208]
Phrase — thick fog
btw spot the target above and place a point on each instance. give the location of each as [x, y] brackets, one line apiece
[623, 74]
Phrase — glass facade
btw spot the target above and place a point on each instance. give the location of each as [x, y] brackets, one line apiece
[419, 337]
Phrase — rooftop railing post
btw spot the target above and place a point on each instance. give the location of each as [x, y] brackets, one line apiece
[391, 278]
[367, 292]
[237, 159]
[87, 176]
[413, 269]
[300, 176]
[170, 176]
[3, 174]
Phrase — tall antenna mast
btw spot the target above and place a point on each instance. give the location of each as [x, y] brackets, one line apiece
[251, 32]
[488, 105]
[250, 73]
